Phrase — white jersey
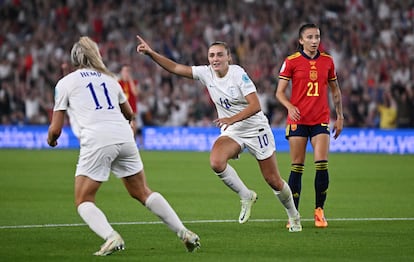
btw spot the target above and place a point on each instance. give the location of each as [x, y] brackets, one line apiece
[93, 100]
[228, 94]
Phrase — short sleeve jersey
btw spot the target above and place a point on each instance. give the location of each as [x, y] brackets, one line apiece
[93, 100]
[228, 94]
[310, 77]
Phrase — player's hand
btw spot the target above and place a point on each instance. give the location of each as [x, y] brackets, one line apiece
[294, 113]
[337, 128]
[223, 123]
[52, 143]
[142, 46]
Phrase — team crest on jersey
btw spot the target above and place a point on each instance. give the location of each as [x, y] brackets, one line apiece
[245, 78]
[313, 75]
[233, 91]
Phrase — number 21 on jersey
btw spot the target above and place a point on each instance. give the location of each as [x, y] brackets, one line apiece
[313, 89]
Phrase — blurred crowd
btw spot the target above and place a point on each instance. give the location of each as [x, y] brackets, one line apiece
[371, 41]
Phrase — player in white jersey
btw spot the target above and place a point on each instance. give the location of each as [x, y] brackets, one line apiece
[242, 122]
[101, 112]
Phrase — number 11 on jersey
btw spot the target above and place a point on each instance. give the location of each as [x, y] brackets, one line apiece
[95, 98]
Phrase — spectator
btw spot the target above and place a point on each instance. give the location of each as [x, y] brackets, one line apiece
[374, 39]
[5, 107]
[388, 112]
[405, 106]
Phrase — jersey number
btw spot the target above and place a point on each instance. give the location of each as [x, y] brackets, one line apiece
[263, 141]
[313, 89]
[95, 99]
[225, 103]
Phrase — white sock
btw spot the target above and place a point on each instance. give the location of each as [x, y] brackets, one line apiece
[286, 198]
[232, 180]
[158, 205]
[95, 219]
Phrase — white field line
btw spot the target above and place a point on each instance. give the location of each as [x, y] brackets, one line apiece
[210, 221]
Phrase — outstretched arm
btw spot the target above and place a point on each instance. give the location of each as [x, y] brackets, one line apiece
[164, 62]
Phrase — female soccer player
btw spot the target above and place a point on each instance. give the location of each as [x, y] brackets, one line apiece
[130, 88]
[101, 111]
[311, 72]
[242, 122]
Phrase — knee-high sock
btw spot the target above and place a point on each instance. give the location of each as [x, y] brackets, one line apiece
[158, 205]
[285, 197]
[230, 177]
[295, 182]
[321, 182]
[95, 219]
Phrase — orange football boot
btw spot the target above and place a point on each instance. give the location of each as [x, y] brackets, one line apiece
[320, 220]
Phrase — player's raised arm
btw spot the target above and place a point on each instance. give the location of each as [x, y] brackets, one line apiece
[164, 62]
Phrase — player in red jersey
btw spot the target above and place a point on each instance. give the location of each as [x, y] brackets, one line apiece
[312, 72]
[130, 88]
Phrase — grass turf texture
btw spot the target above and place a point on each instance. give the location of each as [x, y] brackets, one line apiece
[366, 193]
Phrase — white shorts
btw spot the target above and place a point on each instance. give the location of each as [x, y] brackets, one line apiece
[122, 159]
[261, 145]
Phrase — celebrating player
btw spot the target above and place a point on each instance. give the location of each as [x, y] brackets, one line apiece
[101, 110]
[243, 125]
[310, 71]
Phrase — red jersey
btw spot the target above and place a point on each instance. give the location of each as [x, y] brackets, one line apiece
[310, 77]
[129, 95]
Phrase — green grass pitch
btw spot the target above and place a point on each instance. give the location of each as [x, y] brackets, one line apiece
[369, 209]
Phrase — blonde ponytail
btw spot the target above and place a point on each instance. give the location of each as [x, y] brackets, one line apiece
[85, 54]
